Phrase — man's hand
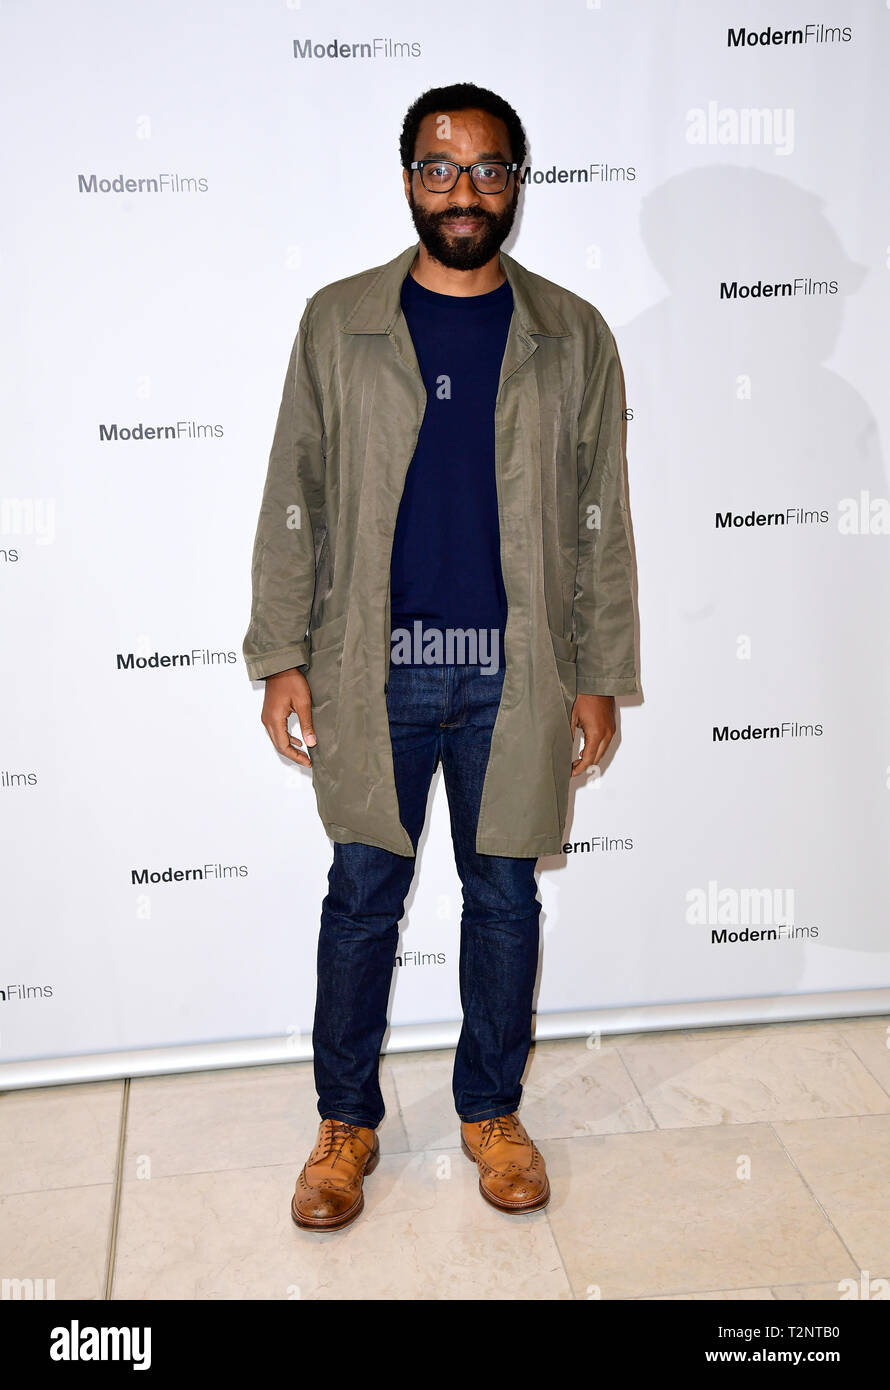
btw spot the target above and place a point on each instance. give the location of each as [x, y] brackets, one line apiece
[287, 693]
[594, 715]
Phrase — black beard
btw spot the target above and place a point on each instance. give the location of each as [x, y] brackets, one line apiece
[465, 252]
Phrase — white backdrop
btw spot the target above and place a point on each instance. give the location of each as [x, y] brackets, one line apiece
[716, 161]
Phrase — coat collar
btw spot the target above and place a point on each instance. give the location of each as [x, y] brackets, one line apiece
[380, 306]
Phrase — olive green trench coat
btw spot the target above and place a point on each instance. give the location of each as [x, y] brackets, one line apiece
[350, 414]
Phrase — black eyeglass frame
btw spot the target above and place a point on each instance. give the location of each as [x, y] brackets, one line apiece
[420, 164]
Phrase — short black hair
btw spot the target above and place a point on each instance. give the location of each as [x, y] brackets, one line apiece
[461, 96]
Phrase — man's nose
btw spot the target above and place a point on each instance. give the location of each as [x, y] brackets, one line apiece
[464, 185]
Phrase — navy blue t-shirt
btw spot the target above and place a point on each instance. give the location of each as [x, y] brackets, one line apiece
[446, 557]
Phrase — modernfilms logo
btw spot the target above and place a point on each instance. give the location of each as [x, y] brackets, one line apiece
[156, 431]
[144, 877]
[180, 429]
[367, 49]
[145, 656]
[206, 873]
[776, 733]
[155, 185]
[597, 172]
[745, 915]
[809, 34]
[800, 287]
[790, 517]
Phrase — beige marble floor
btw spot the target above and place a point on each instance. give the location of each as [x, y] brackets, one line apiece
[726, 1163]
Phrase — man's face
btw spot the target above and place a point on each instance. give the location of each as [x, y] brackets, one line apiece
[462, 228]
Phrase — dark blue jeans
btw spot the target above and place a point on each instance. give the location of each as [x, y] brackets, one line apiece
[436, 713]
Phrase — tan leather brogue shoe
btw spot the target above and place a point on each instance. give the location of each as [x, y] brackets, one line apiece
[512, 1175]
[329, 1189]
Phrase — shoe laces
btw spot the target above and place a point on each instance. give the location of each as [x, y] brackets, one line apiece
[334, 1138]
[497, 1128]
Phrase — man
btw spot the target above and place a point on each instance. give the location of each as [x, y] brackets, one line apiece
[442, 572]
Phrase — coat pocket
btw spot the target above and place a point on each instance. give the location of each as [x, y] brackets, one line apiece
[329, 634]
[563, 649]
[566, 654]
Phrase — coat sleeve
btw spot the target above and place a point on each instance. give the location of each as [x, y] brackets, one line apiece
[604, 610]
[291, 522]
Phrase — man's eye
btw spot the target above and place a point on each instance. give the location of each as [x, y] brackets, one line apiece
[487, 171]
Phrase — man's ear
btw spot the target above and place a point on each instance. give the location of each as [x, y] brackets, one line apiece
[406, 180]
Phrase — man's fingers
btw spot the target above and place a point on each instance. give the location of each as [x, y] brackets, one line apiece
[603, 745]
[304, 714]
[296, 754]
[284, 744]
[591, 753]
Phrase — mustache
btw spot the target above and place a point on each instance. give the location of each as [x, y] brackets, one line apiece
[460, 214]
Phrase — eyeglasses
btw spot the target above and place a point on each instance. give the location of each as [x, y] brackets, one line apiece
[440, 175]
